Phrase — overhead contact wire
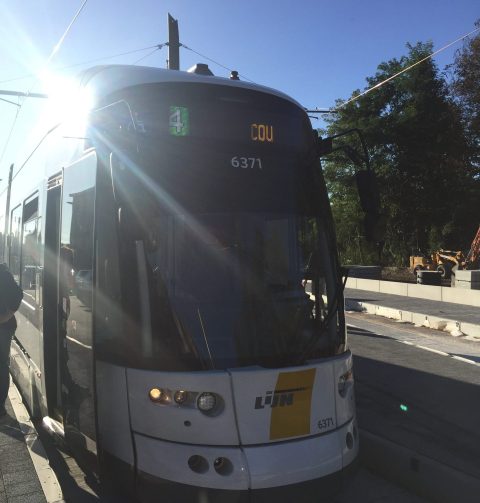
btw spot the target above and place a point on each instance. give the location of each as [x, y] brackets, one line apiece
[376, 86]
[52, 54]
[215, 62]
[86, 62]
[157, 48]
[8, 101]
[59, 44]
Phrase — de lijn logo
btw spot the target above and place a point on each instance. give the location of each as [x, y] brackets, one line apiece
[277, 398]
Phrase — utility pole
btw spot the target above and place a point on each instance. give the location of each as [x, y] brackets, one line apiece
[7, 213]
[173, 61]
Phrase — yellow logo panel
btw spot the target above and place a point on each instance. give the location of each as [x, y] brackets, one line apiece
[293, 397]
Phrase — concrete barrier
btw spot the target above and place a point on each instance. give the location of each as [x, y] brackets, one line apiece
[438, 293]
[454, 327]
[461, 296]
[472, 276]
[467, 285]
[366, 284]
[394, 288]
[427, 292]
[468, 279]
[351, 283]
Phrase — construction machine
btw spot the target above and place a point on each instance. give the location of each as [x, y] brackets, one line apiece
[444, 261]
[421, 263]
[473, 257]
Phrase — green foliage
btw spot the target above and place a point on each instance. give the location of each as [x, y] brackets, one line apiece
[417, 144]
[465, 90]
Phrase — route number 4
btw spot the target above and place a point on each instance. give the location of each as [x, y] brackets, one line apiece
[179, 123]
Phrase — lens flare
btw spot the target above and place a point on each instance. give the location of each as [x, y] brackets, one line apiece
[68, 103]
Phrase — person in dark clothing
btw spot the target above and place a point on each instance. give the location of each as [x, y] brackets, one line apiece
[10, 297]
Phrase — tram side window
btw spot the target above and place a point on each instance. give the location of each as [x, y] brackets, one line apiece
[30, 257]
[15, 245]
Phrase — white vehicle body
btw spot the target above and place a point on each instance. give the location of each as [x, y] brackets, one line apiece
[101, 233]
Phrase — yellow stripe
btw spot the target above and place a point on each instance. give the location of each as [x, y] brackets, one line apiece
[292, 420]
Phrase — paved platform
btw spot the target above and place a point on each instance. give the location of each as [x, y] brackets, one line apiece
[25, 474]
[458, 319]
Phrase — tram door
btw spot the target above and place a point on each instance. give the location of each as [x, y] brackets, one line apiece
[50, 299]
[75, 303]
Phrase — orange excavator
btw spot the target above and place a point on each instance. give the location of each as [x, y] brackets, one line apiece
[444, 261]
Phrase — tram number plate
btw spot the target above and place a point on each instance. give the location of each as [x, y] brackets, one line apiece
[325, 423]
[246, 162]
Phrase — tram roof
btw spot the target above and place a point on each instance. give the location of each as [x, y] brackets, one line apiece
[107, 79]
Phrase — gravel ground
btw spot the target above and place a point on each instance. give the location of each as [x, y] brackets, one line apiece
[402, 274]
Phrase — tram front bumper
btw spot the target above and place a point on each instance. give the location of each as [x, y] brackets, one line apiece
[286, 471]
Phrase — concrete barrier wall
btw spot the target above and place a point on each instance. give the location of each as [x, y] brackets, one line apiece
[424, 292]
[467, 284]
[438, 293]
[461, 296]
[351, 283]
[372, 285]
[472, 276]
[394, 288]
[366, 284]
[468, 279]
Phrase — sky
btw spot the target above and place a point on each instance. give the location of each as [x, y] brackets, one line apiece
[314, 50]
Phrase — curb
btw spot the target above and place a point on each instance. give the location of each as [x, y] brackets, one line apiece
[454, 327]
[47, 477]
[423, 476]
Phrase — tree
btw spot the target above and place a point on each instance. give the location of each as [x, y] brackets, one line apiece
[417, 144]
[465, 88]
[466, 91]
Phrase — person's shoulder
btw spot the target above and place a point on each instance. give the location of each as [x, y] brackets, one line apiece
[11, 290]
[5, 274]
[4, 270]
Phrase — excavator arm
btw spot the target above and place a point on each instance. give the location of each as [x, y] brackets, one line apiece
[474, 253]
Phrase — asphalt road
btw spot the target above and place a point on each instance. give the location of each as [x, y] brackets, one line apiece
[418, 388]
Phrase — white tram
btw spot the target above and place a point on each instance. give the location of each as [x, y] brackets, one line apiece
[183, 320]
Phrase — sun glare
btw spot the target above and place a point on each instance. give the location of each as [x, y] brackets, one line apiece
[68, 103]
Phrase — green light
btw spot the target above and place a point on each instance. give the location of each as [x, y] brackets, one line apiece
[403, 408]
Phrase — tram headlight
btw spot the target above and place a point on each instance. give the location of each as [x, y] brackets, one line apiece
[180, 396]
[158, 395]
[206, 402]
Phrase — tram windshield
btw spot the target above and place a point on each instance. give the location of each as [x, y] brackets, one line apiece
[231, 290]
[235, 228]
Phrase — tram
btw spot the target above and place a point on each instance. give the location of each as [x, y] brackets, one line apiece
[183, 319]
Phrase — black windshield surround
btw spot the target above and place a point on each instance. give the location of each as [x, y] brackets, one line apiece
[241, 261]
